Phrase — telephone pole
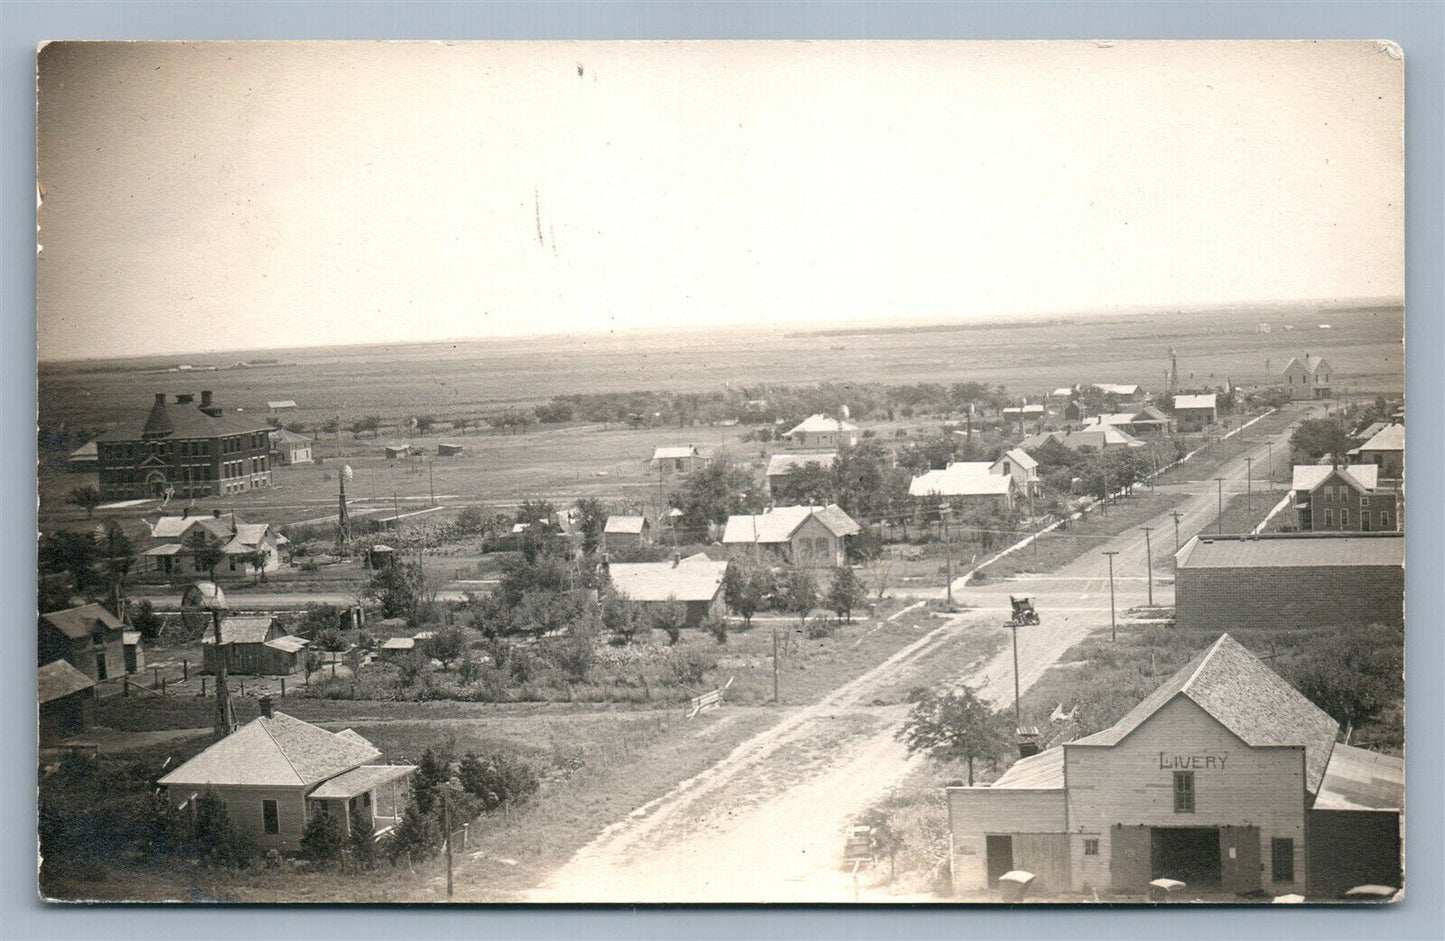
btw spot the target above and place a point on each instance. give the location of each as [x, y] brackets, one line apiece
[1219, 516]
[1149, 562]
[1018, 718]
[944, 512]
[775, 665]
[1113, 626]
[1249, 483]
[1177, 517]
[447, 826]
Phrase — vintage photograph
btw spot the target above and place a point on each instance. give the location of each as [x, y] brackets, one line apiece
[721, 472]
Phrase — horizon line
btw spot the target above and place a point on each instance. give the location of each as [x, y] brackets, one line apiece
[1341, 304]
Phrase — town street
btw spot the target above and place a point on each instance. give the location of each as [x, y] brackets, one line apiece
[767, 823]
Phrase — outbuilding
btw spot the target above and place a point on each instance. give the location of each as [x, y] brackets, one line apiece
[1225, 778]
[695, 582]
[626, 532]
[254, 646]
[88, 637]
[450, 449]
[66, 695]
[1286, 581]
[1194, 412]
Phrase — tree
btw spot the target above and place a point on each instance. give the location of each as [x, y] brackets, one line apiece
[593, 517]
[216, 836]
[1353, 677]
[954, 724]
[394, 587]
[371, 423]
[86, 497]
[322, 840]
[621, 617]
[117, 556]
[361, 841]
[1315, 438]
[425, 423]
[496, 778]
[846, 593]
[714, 493]
[669, 617]
[809, 484]
[205, 554]
[746, 587]
[146, 620]
[447, 644]
[798, 594]
[258, 560]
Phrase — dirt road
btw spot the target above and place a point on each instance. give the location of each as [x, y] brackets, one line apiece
[766, 823]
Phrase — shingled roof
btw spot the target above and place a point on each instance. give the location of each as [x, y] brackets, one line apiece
[695, 578]
[279, 751]
[778, 524]
[1247, 698]
[1307, 477]
[78, 623]
[183, 420]
[820, 424]
[59, 679]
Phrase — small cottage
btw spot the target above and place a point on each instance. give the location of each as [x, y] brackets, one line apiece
[626, 532]
[277, 772]
[805, 536]
[676, 461]
[695, 582]
[821, 432]
[1195, 412]
[288, 447]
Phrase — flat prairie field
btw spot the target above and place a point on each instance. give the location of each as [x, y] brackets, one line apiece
[477, 377]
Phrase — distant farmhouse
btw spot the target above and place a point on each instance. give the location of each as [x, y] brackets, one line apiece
[1121, 390]
[1147, 421]
[1195, 412]
[288, 447]
[676, 461]
[694, 582]
[187, 449]
[822, 433]
[1311, 379]
[1343, 499]
[175, 538]
[805, 536]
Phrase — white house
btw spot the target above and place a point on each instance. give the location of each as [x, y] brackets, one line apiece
[823, 433]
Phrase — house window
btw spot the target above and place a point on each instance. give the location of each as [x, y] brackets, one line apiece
[1091, 847]
[1329, 517]
[1384, 519]
[1184, 792]
[366, 799]
[1364, 501]
[269, 821]
[1344, 516]
[1281, 857]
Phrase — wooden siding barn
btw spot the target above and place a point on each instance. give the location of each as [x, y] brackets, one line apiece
[88, 637]
[254, 646]
[65, 697]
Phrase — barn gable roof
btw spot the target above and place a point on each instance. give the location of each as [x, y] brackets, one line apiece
[625, 525]
[1247, 698]
[1390, 438]
[695, 578]
[59, 679]
[279, 751]
[820, 424]
[780, 523]
[242, 630]
[1308, 477]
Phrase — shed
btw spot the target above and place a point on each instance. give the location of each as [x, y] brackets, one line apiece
[65, 697]
[695, 582]
[449, 449]
[396, 451]
[135, 658]
[254, 646]
[84, 459]
[397, 646]
[626, 531]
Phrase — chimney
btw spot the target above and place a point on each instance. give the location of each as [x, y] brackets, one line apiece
[265, 703]
[160, 398]
[205, 398]
[184, 398]
[185, 512]
[215, 514]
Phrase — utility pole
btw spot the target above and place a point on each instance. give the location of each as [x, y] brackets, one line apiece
[1105, 502]
[944, 512]
[775, 665]
[1018, 719]
[1177, 516]
[447, 826]
[395, 511]
[1149, 562]
[1249, 483]
[1113, 626]
[431, 487]
[1219, 516]
[1270, 444]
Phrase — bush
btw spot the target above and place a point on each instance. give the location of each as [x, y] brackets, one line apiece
[670, 617]
[322, 840]
[718, 628]
[216, 837]
[688, 667]
[496, 778]
[146, 620]
[819, 628]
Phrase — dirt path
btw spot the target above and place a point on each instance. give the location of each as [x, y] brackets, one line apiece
[766, 823]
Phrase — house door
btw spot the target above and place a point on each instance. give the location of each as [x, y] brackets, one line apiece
[156, 483]
[1239, 859]
[130, 659]
[1129, 859]
[100, 670]
[1000, 850]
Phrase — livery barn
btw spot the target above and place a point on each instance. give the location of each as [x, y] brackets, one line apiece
[1283, 581]
[1225, 778]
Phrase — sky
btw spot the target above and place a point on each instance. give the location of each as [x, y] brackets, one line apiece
[216, 196]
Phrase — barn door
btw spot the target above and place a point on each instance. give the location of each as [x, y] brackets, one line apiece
[1129, 859]
[1239, 859]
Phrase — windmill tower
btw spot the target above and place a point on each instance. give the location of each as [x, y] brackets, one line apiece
[343, 521]
[1173, 370]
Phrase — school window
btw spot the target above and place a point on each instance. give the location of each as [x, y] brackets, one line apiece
[1091, 847]
[1281, 855]
[1184, 792]
[268, 817]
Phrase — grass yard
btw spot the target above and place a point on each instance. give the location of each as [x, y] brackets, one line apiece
[1205, 465]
